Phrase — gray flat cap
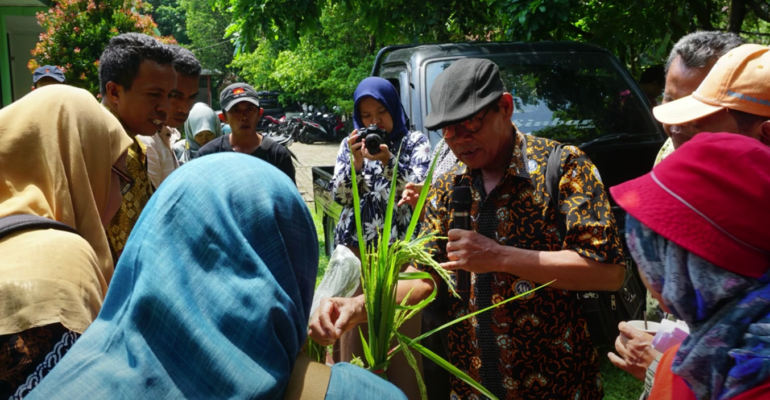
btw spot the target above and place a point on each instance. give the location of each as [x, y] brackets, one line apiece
[462, 90]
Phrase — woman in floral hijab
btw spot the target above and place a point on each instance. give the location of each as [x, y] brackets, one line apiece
[377, 102]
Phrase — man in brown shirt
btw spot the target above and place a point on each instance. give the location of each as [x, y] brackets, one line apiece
[536, 347]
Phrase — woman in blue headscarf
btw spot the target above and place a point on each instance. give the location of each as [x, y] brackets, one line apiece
[221, 310]
[377, 103]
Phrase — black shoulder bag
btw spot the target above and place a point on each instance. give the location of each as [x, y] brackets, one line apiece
[603, 311]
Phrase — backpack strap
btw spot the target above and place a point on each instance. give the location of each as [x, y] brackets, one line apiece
[22, 222]
[552, 179]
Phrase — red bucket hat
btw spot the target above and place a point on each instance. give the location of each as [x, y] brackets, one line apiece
[711, 197]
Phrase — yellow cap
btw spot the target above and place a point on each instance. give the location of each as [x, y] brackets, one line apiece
[740, 80]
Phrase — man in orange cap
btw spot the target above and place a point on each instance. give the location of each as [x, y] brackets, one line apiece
[689, 63]
[734, 97]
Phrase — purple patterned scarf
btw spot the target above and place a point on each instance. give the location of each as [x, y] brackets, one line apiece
[728, 350]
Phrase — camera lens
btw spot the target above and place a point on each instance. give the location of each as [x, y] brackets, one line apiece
[372, 143]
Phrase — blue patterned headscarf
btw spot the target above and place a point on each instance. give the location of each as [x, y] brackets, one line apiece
[211, 304]
[728, 350]
[384, 92]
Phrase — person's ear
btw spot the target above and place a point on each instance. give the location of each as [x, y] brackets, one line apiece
[113, 92]
[764, 133]
[506, 104]
[261, 111]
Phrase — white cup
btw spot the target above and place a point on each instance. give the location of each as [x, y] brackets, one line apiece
[652, 327]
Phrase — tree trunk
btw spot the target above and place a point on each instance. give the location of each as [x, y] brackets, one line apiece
[737, 15]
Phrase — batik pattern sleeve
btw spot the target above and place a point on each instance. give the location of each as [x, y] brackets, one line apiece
[591, 229]
[413, 164]
[437, 219]
[342, 182]
[374, 182]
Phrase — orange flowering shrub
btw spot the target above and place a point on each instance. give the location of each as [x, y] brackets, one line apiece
[77, 31]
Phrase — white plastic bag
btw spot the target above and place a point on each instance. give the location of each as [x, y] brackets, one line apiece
[342, 276]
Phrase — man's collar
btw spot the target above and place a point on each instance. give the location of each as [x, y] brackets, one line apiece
[519, 161]
[264, 144]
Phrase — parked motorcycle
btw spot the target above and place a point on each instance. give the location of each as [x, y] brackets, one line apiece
[290, 127]
[269, 123]
[282, 139]
[321, 126]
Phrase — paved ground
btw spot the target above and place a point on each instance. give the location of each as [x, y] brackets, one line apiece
[311, 155]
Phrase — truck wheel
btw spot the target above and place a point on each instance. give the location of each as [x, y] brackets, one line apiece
[329, 235]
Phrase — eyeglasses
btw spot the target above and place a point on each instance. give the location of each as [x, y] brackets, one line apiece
[470, 125]
[126, 183]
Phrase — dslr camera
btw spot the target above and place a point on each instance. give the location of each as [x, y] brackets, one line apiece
[373, 137]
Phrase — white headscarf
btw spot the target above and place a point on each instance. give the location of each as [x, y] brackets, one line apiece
[202, 118]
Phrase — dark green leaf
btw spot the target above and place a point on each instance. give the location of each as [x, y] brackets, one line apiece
[447, 366]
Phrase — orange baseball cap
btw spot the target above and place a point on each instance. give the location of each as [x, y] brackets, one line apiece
[740, 80]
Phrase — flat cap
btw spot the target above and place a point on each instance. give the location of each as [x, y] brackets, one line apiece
[462, 90]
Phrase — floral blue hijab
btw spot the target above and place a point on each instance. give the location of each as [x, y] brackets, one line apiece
[384, 92]
[728, 350]
[211, 304]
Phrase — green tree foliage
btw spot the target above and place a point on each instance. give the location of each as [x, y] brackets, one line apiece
[395, 21]
[640, 33]
[254, 19]
[427, 21]
[77, 31]
[292, 33]
[171, 19]
[323, 68]
[206, 26]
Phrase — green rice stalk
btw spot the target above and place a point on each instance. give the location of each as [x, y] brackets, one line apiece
[421, 200]
[413, 363]
[357, 210]
[367, 352]
[464, 317]
[315, 351]
[447, 366]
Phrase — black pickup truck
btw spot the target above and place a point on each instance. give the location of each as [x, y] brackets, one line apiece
[575, 93]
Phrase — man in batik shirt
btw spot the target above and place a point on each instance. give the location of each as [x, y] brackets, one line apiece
[536, 347]
[136, 76]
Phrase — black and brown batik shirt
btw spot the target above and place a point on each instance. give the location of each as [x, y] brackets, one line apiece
[536, 347]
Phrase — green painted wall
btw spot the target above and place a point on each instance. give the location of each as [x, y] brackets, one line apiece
[5, 57]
